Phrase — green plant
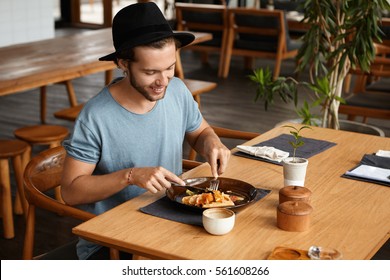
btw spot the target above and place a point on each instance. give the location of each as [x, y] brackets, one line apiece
[298, 142]
[341, 36]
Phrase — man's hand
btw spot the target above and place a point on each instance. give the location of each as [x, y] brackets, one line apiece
[154, 179]
[217, 155]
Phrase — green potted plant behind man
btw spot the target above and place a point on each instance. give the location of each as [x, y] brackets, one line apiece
[341, 36]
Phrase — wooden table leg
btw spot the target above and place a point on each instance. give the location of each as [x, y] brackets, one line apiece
[109, 75]
[43, 104]
[21, 198]
[6, 201]
[179, 67]
[71, 93]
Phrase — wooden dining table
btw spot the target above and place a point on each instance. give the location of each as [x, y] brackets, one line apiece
[61, 59]
[350, 216]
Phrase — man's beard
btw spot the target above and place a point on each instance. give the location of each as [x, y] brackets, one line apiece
[142, 91]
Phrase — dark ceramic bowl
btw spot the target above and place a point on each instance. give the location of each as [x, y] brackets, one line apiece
[226, 185]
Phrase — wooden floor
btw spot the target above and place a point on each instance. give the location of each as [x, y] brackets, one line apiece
[230, 105]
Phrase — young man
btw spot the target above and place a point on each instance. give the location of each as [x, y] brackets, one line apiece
[128, 139]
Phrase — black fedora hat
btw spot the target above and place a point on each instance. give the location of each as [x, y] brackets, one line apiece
[140, 24]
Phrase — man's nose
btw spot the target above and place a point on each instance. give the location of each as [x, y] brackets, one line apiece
[163, 79]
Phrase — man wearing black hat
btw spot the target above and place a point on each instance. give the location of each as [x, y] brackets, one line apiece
[128, 139]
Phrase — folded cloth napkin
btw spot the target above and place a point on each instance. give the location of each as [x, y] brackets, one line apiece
[372, 168]
[281, 142]
[383, 153]
[269, 153]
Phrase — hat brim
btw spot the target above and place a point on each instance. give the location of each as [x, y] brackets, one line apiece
[185, 38]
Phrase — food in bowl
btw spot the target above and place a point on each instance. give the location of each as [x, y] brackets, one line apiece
[241, 193]
[210, 199]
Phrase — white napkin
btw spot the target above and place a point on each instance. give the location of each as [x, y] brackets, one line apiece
[383, 153]
[371, 172]
[270, 153]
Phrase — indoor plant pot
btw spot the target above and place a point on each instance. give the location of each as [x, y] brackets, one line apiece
[294, 168]
[294, 171]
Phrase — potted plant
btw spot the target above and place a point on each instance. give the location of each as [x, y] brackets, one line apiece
[294, 168]
[341, 36]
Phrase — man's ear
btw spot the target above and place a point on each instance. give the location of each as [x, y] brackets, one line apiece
[122, 64]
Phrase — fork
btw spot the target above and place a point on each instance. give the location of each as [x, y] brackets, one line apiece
[214, 184]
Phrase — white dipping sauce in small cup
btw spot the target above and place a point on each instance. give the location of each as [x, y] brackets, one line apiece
[218, 221]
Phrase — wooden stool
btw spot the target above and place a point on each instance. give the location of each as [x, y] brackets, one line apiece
[69, 114]
[51, 135]
[17, 151]
[198, 87]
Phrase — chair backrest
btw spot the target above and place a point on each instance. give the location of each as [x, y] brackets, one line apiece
[369, 101]
[258, 33]
[258, 29]
[385, 27]
[41, 176]
[203, 18]
[285, 5]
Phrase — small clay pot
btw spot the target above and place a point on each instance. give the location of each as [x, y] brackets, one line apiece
[294, 193]
[294, 215]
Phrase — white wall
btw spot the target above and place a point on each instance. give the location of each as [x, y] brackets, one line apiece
[25, 21]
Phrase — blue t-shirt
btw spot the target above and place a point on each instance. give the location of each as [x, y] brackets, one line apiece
[113, 138]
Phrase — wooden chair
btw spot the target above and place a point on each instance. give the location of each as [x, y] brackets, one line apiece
[385, 27]
[204, 18]
[367, 105]
[14, 150]
[258, 33]
[296, 28]
[367, 81]
[365, 101]
[42, 175]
